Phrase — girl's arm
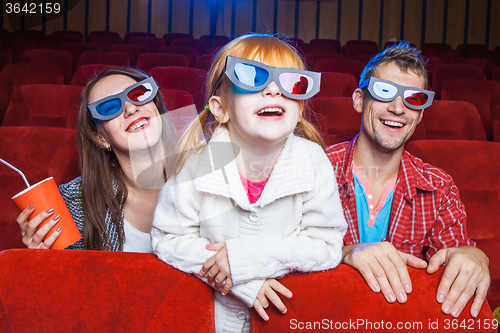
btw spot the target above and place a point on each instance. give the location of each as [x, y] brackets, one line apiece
[316, 245]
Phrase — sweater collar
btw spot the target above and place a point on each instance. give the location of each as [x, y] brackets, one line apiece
[218, 173]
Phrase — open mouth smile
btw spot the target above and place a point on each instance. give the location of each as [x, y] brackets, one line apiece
[271, 112]
[393, 124]
[137, 125]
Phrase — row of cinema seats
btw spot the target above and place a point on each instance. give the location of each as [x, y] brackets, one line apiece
[41, 152]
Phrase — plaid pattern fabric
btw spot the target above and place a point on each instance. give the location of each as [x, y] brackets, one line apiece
[427, 214]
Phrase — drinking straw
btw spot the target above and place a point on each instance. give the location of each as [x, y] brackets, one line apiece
[16, 170]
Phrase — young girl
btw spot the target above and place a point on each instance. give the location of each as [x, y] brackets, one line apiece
[255, 185]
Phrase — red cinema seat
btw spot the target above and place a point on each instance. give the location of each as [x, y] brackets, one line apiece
[318, 47]
[453, 120]
[472, 164]
[198, 44]
[350, 50]
[133, 51]
[152, 43]
[485, 64]
[43, 105]
[443, 72]
[362, 42]
[347, 66]
[337, 85]
[334, 42]
[178, 302]
[147, 61]
[86, 73]
[340, 116]
[5, 57]
[312, 58]
[169, 37]
[104, 58]
[61, 37]
[447, 55]
[77, 49]
[39, 152]
[59, 58]
[484, 94]
[129, 35]
[21, 45]
[176, 99]
[205, 62]
[191, 80]
[104, 39]
[190, 52]
[465, 49]
[427, 46]
[215, 41]
[495, 73]
[363, 310]
[13, 76]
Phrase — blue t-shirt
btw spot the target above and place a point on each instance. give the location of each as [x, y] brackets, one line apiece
[372, 222]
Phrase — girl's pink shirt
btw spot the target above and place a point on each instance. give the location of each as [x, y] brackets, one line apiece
[253, 189]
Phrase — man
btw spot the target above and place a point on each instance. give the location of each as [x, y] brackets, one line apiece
[400, 210]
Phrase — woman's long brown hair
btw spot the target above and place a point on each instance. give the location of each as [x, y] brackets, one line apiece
[103, 182]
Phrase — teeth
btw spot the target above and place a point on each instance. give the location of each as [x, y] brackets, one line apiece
[392, 123]
[279, 110]
[138, 125]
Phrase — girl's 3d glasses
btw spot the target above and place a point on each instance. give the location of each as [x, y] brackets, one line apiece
[386, 91]
[112, 106]
[254, 76]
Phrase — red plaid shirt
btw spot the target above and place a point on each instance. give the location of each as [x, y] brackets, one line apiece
[426, 215]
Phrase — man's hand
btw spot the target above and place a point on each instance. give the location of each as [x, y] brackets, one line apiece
[466, 274]
[383, 268]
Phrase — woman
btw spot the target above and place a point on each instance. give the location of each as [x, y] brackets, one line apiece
[122, 142]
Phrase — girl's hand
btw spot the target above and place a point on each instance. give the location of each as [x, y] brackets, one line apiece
[268, 293]
[217, 268]
[33, 238]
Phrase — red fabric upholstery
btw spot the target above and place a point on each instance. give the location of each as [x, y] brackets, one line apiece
[443, 72]
[364, 58]
[204, 62]
[361, 42]
[447, 55]
[495, 73]
[77, 49]
[148, 61]
[97, 291]
[331, 139]
[318, 47]
[217, 40]
[464, 49]
[153, 43]
[42, 105]
[484, 94]
[350, 50]
[19, 46]
[61, 37]
[86, 73]
[453, 120]
[176, 99]
[341, 300]
[199, 44]
[340, 116]
[312, 58]
[104, 39]
[426, 46]
[16, 75]
[59, 58]
[94, 291]
[169, 37]
[190, 52]
[39, 152]
[129, 35]
[472, 164]
[337, 85]
[430, 62]
[5, 57]
[353, 67]
[495, 115]
[104, 58]
[485, 64]
[133, 51]
[334, 42]
[191, 80]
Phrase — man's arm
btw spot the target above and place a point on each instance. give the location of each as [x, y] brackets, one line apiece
[383, 267]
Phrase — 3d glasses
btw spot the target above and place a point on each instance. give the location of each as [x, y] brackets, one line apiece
[386, 91]
[254, 76]
[112, 106]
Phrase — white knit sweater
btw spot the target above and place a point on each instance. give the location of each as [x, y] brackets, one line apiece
[296, 225]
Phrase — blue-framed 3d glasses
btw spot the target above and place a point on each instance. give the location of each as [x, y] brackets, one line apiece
[112, 106]
[255, 76]
[386, 91]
